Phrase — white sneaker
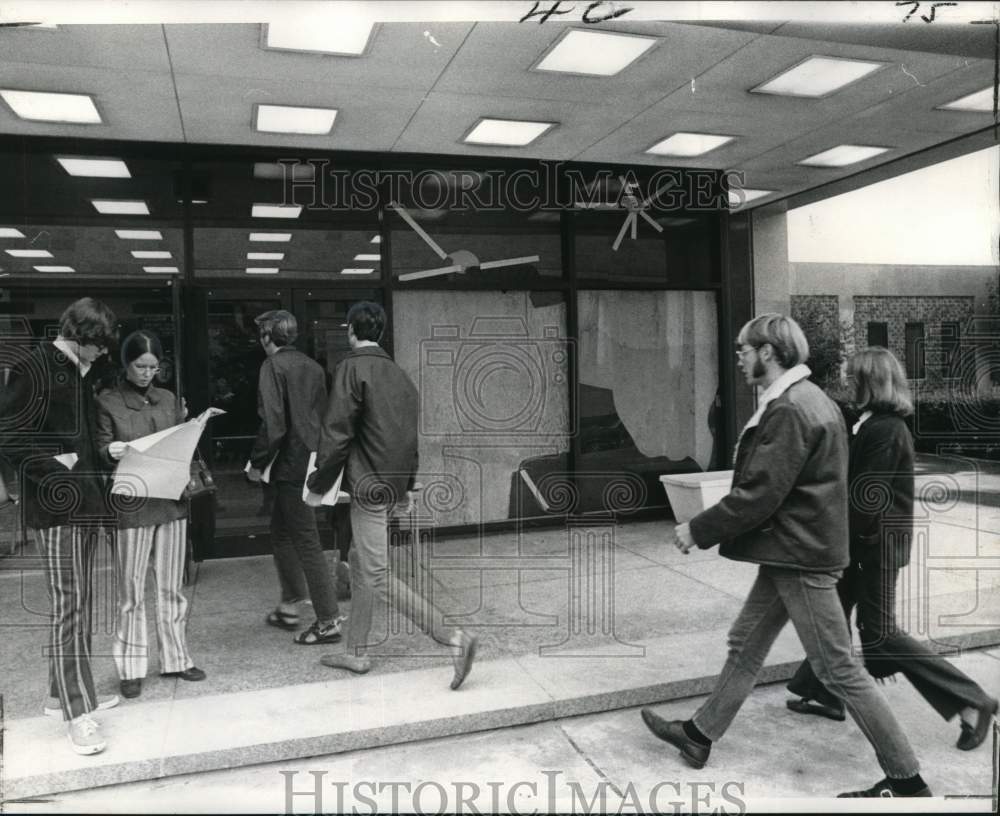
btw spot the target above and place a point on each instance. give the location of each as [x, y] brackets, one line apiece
[104, 702]
[84, 735]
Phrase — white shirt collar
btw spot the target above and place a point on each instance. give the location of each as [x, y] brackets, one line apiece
[861, 421]
[64, 346]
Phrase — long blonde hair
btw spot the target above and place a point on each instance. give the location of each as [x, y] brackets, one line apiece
[879, 382]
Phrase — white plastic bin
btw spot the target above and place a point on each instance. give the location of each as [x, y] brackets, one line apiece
[690, 493]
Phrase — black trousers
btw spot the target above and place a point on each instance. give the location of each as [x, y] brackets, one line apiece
[888, 649]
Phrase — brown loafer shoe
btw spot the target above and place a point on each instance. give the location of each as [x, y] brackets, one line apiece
[805, 706]
[883, 790]
[672, 731]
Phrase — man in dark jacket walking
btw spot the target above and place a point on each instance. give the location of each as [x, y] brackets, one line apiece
[370, 432]
[787, 512]
[291, 392]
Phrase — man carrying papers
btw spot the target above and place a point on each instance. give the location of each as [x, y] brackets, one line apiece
[47, 429]
[291, 394]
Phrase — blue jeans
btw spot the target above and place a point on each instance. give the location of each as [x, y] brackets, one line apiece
[810, 600]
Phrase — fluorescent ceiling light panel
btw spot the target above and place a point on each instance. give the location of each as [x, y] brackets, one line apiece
[162, 270]
[139, 235]
[275, 210]
[367, 257]
[272, 237]
[288, 119]
[150, 253]
[818, 76]
[376, 239]
[41, 106]
[689, 144]
[10, 232]
[94, 168]
[356, 271]
[506, 132]
[265, 256]
[299, 171]
[262, 270]
[119, 207]
[842, 155]
[980, 101]
[598, 53]
[29, 253]
[348, 35]
[748, 196]
[55, 269]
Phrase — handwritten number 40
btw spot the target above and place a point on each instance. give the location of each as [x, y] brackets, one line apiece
[588, 14]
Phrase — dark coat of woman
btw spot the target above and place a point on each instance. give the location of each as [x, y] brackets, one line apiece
[125, 413]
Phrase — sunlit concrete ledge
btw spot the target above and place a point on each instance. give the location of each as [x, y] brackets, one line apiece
[149, 740]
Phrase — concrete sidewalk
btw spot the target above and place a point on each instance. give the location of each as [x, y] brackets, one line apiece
[592, 618]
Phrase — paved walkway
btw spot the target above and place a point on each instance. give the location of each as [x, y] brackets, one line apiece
[588, 619]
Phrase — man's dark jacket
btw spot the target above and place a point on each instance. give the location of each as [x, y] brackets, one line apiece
[290, 398]
[48, 409]
[369, 429]
[880, 478]
[788, 503]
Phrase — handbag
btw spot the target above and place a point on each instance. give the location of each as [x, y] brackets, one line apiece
[201, 482]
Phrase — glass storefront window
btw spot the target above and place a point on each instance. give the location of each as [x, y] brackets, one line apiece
[492, 372]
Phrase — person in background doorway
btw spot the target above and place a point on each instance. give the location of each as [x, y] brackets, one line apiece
[880, 480]
[290, 398]
[48, 431]
[134, 408]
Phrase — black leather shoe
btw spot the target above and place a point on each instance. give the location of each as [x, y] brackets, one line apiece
[973, 736]
[806, 706]
[193, 674]
[672, 731]
[883, 790]
[131, 688]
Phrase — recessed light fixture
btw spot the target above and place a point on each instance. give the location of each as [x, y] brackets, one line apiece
[980, 101]
[42, 106]
[748, 195]
[10, 232]
[119, 206]
[95, 168]
[818, 76]
[347, 36]
[367, 257]
[162, 270]
[845, 154]
[150, 254]
[262, 270]
[689, 144]
[265, 256]
[289, 119]
[55, 269]
[294, 171]
[356, 271]
[139, 235]
[376, 239]
[506, 132]
[598, 53]
[29, 253]
[271, 237]
[275, 210]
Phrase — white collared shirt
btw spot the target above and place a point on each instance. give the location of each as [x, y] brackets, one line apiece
[861, 421]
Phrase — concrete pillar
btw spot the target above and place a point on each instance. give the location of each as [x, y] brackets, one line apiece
[771, 269]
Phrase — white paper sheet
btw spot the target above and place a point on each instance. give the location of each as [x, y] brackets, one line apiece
[332, 496]
[265, 477]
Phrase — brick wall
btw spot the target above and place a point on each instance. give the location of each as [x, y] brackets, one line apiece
[896, 312]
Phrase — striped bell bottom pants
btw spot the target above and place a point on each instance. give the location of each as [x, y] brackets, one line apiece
[167, 544]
